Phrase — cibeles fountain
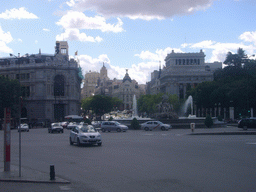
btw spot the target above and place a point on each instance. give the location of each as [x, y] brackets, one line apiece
[185, 108]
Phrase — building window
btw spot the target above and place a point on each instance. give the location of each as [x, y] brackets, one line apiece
[25, 91]
[63, 51]
[59, 85]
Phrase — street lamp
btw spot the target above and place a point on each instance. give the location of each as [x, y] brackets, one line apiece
[19, 114]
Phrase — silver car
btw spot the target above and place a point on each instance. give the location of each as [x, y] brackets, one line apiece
[55, 127]
[23, 127]
[84, 134]
[113, 126]
[150, 125]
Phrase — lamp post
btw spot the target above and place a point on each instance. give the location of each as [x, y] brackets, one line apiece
[19, 114]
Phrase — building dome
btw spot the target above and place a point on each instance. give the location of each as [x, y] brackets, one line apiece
[127, 77]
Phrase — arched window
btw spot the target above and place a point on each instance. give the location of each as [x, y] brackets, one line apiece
[59, 85]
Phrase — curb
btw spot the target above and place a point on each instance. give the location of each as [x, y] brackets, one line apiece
[226, 133]
[34, 181]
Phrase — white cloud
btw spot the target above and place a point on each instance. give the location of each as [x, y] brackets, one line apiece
[75, 35]
[249, 37]
[4, 48]
[75, 19]
[47, 30]
[36, 41]
[5, 38]
[147, 10]
[220, 50]
[20, 13]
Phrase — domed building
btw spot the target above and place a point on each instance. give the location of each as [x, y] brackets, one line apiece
[124, 89]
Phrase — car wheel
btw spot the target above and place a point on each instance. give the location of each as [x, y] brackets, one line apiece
[49, 131]
[28, 130]
[163, 128]
[244, 127]
[62, 131]
[70, 141]
[78, 142]
[99, 144]
[103, 130]
[146, 128]
[118, 130]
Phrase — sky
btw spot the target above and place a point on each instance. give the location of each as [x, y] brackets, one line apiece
[128, 34]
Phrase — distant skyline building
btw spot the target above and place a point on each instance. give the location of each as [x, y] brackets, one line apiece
[50, 83]
[124, 89]
[181, 71]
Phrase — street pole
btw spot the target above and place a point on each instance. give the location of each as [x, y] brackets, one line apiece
[19, 116]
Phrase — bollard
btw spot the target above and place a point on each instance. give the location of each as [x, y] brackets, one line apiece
[192, 126]
[52, 172]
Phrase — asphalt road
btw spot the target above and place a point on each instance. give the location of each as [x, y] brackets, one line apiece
[139, 161]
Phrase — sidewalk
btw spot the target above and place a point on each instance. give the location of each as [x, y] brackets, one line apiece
[229, 130]
[27, 176]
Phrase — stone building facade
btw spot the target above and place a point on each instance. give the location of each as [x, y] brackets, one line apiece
[181, 71]
[124, 89]
[51, 83]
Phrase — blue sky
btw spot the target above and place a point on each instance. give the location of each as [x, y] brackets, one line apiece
[134, 34]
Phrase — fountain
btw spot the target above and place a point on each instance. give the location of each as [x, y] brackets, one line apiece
[134, 107]
[184, 110]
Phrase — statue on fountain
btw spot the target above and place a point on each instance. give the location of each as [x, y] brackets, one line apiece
[165, 109]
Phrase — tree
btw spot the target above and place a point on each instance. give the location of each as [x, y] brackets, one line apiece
[100, 104]
[234, 84]
[208, 121]
[235, 59]
[135, 124]
[9, 95]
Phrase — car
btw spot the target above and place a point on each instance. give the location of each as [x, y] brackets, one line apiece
[150, 125]
[247, 123]
[23, 127]
[113, 126]
[84, 134]
[64, 124]
[71, 125]
[96, 124]
[55, 127]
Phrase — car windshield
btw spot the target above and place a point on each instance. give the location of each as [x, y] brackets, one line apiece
[88, 129]
[55, 124]
[117, 123]
[159, 122]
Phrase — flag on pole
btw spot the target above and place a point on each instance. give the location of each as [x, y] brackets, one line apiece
[76, 52]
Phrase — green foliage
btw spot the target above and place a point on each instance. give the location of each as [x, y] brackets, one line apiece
[88, 121]
[135, 124]
[235, 59]
[219, 118]
[111, 118]
[233, 85]
[208, 121]
[9, 94]
[100, 104]
[147, 103]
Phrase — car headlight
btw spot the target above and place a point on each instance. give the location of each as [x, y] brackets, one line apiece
[98, 136]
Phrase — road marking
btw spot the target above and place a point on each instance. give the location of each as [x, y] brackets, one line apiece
[251, 143]
[64, 188]
[148, 134]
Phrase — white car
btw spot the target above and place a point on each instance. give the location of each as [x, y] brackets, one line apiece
[55, 127]
[150, 125]
[23, 127]
[84, 134]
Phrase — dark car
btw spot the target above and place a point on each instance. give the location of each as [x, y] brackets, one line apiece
[247, 123]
